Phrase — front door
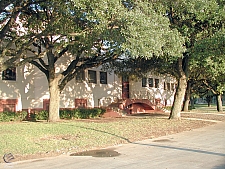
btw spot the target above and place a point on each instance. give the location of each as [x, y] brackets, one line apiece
[125, 87]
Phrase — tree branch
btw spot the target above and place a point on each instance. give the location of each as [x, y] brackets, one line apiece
[45, 71]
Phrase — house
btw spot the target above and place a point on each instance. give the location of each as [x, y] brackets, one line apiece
[26, 88]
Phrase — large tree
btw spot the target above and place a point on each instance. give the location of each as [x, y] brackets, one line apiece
[194, 20]
[211, 57]
[93, 32]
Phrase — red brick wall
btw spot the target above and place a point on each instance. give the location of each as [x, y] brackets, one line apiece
[8, 105]
[46, 104]
[80, 103]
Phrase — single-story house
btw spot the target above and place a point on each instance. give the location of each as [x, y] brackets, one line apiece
[26, 88]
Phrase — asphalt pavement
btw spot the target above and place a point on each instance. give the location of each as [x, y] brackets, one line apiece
[202, 148]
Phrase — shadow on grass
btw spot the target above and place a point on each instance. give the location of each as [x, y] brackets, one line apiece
[150, 115]
[112, 134]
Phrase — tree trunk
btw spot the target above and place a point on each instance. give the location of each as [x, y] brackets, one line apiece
[54, 101]
[180, 92]
[178, 99]
[209, 103]
[192, 103]
[187, 97]
[209, 100]
[219, 103]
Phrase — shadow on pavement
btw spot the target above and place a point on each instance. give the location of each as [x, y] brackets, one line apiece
[183, 149]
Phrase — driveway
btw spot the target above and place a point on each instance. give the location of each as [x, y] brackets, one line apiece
[202, 148]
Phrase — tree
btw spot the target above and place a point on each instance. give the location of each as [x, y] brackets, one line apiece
[93, 32]
[12, 47]
[54, 29]
[194, 20]
[210, 52]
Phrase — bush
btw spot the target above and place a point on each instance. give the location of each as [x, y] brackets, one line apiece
[168, 107]
[12, 116]
[22, 115]
[41, 115]
[65, 114]
[90, 113]
[81, 113]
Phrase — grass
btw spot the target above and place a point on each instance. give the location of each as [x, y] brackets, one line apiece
[32, 138]
[206, 109]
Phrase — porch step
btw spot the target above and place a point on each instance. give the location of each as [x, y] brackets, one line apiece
[113, 112]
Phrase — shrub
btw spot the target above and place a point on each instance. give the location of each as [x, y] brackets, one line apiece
[81, 113]
[12, 116]
[42, 115]
[22, 115]
[7, 116]
[65, 114]
[90, 113]
[168, 108]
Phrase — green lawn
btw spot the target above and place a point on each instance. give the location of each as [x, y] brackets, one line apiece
[26, 138]
[206, 109]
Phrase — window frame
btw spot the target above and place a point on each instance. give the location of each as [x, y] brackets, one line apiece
[80, 77]
[92, 79]
[9, 107]
[168, 86]
[150, 82]
[144, 82]
[156, 83]
[80, 103]
[172, 86]
[103, 77]
[11, 76]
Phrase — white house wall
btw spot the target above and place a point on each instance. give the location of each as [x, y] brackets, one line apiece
[96, 94]
[31, 88]
[22, 89]
[152, 93]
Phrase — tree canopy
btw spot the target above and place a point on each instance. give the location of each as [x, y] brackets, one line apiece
[163, 35]
[210, 57]
[195, 21]
[93, 32]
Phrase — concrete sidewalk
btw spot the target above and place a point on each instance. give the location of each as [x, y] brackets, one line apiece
[202, 148]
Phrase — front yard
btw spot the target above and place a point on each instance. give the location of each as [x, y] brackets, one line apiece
[26, 140]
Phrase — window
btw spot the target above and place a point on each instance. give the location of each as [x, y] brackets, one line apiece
[9, 107]
[80, 76]
[46, 103]
[156, 83]
[164, 85]
[144, 82]
[168, 86]
[103, 77]
[172, 86]
[92, 76]
[150, 82]
[125, 78]
[80, 103]
[9, 74]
